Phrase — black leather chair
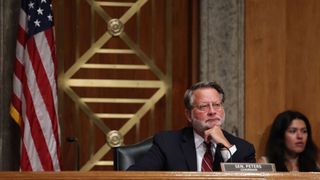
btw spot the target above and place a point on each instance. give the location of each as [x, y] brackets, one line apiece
[125, 156]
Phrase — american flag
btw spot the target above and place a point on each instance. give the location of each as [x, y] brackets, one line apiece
[34, 103]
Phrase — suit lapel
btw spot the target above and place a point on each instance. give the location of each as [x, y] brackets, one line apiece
[188, 149]
[217, 159]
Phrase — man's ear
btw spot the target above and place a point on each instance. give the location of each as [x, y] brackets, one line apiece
[187, 113]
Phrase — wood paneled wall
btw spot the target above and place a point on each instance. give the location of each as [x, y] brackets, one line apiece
[165, 31]
[282, 64]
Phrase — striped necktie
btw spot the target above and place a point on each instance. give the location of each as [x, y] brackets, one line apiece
[207, 160]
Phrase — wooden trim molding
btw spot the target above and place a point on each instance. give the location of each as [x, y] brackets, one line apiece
[98, 175]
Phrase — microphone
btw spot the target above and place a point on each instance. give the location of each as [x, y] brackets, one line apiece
[75, 140]
[220, 146]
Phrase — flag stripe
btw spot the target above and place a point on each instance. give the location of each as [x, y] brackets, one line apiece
[22, 37]
[43, 64]
[17, 93]
[52, 79]
[34, 104]
[48, 52]
[44, 77]
[17, 86]
[25, 162]
[36, 114]
[30, 150]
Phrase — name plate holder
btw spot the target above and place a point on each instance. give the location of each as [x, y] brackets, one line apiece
[247, 167]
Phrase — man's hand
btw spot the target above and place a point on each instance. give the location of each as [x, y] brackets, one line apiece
[217, 136]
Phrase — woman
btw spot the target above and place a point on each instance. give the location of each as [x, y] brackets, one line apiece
[290, 144]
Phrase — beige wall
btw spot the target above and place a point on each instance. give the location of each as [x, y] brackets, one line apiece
[9, 131]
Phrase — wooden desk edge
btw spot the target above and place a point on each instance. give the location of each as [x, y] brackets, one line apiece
[154, 175]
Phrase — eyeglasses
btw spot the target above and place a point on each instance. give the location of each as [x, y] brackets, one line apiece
[206, 107]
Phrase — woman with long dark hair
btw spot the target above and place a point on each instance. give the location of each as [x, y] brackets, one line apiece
[290, 145]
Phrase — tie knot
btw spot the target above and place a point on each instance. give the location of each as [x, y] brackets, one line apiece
[208, 145]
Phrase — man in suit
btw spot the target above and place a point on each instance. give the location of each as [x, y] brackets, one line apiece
[185, 149]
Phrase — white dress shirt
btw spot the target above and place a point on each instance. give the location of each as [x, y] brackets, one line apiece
[201, 149]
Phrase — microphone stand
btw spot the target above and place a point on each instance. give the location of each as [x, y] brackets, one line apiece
[75, 140]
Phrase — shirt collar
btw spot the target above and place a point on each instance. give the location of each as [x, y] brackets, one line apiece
[198, 140]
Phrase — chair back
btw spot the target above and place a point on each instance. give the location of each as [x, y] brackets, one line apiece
[125, 156]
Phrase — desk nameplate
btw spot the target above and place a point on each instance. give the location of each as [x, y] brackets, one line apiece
[248, 167]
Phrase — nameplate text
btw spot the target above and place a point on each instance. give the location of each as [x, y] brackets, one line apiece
[247, 167]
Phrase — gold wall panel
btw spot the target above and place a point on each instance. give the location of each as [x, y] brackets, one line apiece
[72, 78]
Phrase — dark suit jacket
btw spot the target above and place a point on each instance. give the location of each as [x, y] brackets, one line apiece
[175, 151]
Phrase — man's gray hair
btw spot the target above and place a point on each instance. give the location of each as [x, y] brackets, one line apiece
[188, 95]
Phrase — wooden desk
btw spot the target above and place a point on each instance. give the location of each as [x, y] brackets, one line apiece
[99, 175]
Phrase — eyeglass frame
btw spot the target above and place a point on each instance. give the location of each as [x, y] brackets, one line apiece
[206, 107]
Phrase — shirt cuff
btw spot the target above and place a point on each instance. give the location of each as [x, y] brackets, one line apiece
[226, 154]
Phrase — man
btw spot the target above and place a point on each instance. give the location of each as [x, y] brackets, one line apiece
[203, 145]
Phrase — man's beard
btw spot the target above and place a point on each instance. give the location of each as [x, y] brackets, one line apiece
[201, 126]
